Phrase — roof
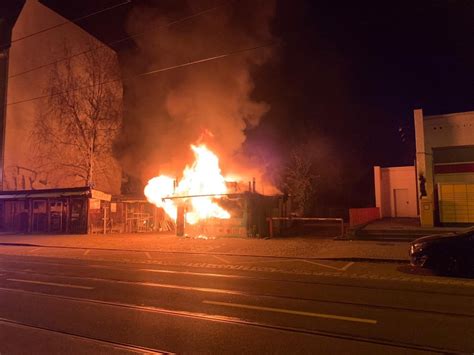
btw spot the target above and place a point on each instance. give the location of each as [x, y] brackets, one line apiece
[55, 193]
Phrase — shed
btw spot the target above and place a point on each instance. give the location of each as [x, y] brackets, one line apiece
[61, 210]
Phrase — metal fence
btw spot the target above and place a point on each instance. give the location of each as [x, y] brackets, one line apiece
[272, 219]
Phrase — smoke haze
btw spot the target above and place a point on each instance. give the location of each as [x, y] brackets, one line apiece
[207, 102]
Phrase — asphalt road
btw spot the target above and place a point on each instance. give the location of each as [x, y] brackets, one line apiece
[60, 305]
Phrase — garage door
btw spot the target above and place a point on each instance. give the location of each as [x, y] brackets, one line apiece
[456, 203]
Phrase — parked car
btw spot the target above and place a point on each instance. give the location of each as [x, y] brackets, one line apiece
[446, 254]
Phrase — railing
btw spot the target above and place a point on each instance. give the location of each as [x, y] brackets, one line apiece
[271, 219]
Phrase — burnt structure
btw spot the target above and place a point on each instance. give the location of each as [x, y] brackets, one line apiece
[132, 214]
[250, 212]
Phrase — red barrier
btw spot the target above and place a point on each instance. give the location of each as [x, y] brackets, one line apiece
[363, 215]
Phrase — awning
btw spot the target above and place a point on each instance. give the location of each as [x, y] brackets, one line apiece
[54, 193]
[41, 195]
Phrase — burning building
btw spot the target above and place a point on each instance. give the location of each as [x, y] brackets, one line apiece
[205, 203]
[207, 100]
[178, 85]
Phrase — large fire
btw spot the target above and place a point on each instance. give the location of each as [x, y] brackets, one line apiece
[203, 177]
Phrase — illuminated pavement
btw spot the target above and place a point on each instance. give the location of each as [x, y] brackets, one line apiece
[294, 247]
[115, 301]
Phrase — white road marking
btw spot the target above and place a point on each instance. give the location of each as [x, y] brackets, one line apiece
[52, 284]
[344, 268]
[221, 259]
[329, 266]
[87, 252]
[289, 311]
[148, 255]
[347, 266]
[267, 261]
[189, 273]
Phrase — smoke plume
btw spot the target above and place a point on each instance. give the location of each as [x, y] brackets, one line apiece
[207, 102]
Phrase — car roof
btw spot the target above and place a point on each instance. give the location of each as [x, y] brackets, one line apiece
[466, 231]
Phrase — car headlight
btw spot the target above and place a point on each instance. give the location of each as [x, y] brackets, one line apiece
[417, 247]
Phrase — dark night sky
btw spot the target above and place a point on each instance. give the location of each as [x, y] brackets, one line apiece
[361, 68]
[348, 74]
[351, 73]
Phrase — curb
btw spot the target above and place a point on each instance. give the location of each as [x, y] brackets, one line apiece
[382, 239]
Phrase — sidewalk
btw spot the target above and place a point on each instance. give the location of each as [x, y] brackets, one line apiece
[296, 247]
[397, 229]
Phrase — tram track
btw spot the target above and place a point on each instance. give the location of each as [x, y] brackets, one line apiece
[110, 344]
[238, 293]
[218, 319]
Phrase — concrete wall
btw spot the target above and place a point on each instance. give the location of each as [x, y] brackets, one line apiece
[386, 182]
[26, 54]
[358, 216]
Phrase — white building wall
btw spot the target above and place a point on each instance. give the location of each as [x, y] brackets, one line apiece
[26, 54]
[449, 130]
[446, 138]
[390, 180]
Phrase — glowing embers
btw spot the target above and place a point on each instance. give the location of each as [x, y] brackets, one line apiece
[203, 180]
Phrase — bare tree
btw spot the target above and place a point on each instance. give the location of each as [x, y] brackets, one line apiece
[74, 131]
[299, 178]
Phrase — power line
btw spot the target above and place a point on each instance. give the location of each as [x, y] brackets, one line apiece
[152, 72]
[123, 39]
[71, 21]
[208, 59]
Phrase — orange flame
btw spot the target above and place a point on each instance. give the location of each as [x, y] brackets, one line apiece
[202, 178]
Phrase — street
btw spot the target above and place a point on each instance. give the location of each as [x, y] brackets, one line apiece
[53, 301]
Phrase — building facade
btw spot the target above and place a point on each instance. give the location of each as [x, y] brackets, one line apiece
[78, 210]
[395, 191]
[61, 211]
[41, 40]
[445, 167]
